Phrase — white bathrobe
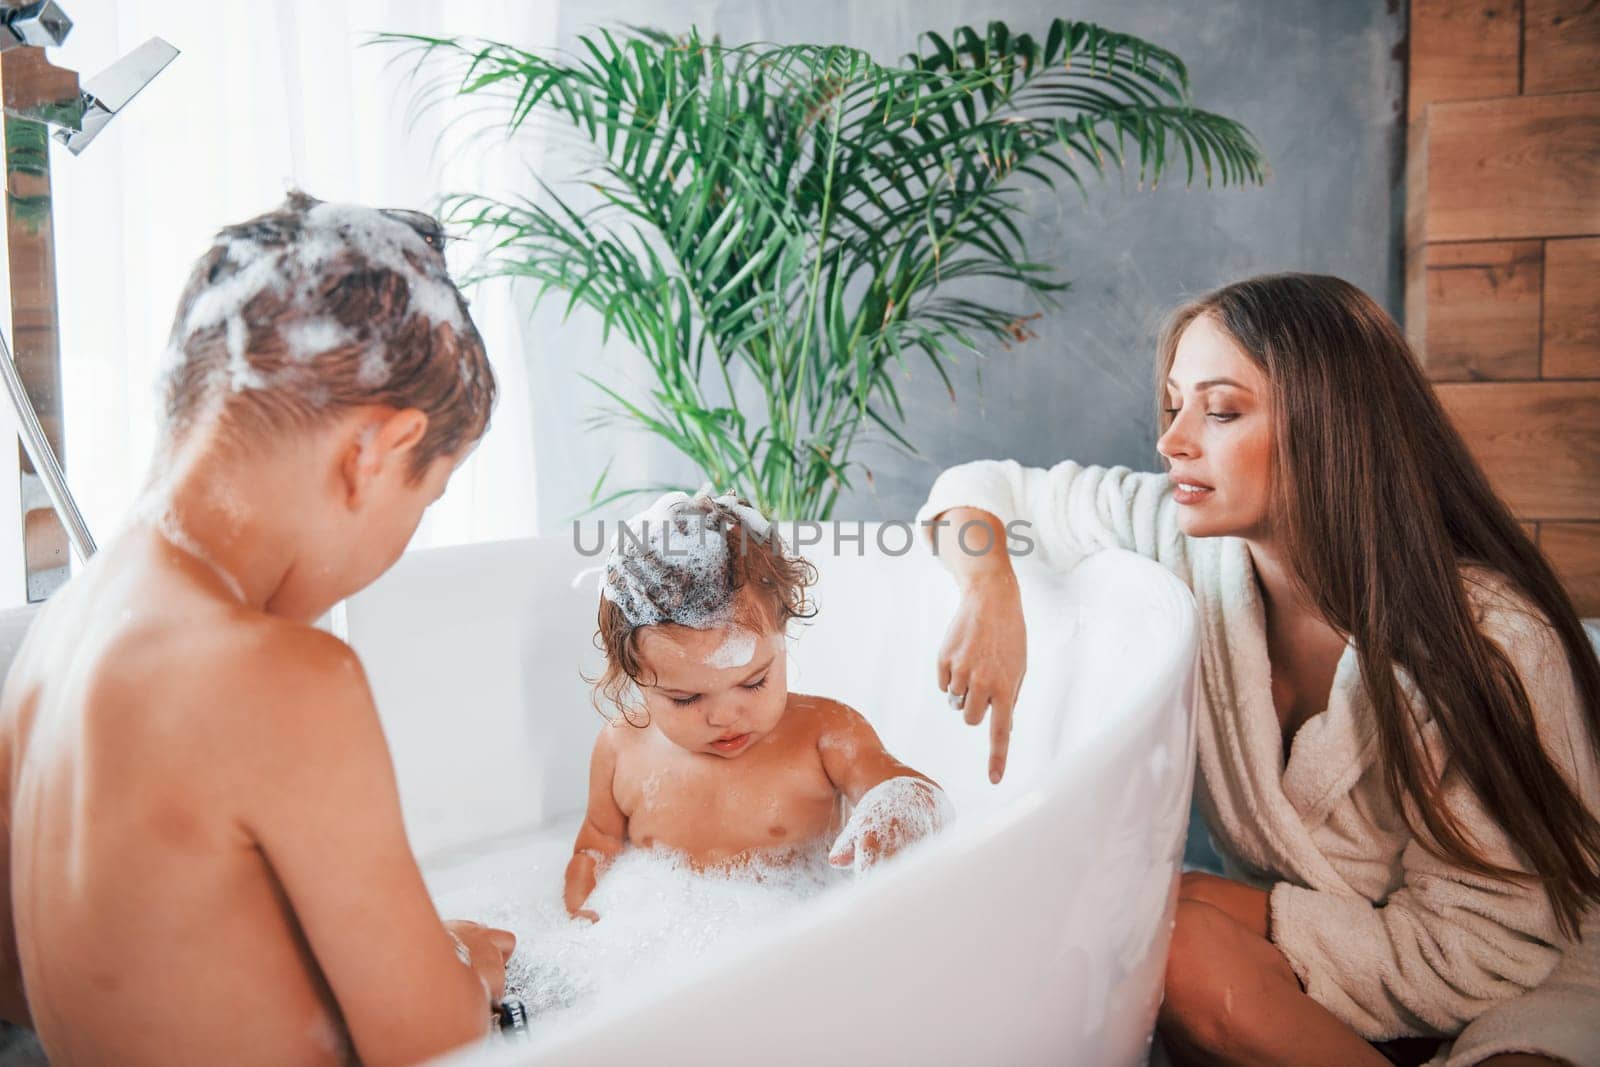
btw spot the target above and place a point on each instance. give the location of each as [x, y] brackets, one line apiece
[1381, 932]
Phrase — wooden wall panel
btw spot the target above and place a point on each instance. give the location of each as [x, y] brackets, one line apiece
[1482, 315]
[1462, 50]
[1572, 309]
[1502, 265]
[1561, 46]
[1574, 549]
[1538, 441]
[1500, 169]
[1416, 225]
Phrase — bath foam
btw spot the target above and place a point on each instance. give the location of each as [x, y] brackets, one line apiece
[167, 525]
[657, 915]
[898, 812]
[737, 649]
[334, 239]
[671, 565]
[306, 338]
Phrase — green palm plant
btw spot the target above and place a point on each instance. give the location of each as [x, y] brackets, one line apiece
[813, 216]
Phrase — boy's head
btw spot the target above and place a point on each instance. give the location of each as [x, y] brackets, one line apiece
[314, 309]
[694, 610]
[333, 329]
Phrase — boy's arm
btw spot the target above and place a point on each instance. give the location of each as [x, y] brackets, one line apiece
[603, 832]
[318, 795]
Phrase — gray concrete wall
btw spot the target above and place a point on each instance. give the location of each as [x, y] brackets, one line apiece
[1319, 82]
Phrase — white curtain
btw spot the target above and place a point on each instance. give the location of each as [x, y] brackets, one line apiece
[268, 96]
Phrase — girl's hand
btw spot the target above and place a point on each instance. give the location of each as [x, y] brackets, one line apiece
[888, 817]
[984, 656]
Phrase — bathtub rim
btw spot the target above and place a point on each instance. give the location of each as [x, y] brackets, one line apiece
[1177, 674]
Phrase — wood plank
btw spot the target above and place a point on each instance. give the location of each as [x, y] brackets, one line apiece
[1462, 50]
[1572, 308]
[1539, 443]
[1561, 46]
[1482, 314]
[1522, 167]
[1416, 226]
[1573, 548]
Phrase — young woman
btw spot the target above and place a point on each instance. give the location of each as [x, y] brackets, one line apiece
[1399, 707]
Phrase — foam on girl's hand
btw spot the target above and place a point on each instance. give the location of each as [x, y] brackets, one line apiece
[896, 812]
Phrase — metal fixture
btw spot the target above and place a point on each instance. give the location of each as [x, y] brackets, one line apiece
[37, 98]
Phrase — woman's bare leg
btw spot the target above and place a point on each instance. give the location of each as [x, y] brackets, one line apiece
[1231, 998]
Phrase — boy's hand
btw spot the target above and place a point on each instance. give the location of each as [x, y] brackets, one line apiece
[485, 949]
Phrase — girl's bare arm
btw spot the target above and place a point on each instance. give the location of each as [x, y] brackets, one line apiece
[603, 833]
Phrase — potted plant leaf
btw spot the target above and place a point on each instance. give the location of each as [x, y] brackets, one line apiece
[809, 219]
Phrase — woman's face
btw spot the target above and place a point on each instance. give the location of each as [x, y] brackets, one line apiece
[1219, 444]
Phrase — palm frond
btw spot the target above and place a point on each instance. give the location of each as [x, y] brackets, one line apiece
[807, 217]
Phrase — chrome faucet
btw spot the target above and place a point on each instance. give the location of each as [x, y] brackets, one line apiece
[36, 95]
[48, 94]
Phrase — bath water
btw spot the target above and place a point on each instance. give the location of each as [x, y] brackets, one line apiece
[657, 915]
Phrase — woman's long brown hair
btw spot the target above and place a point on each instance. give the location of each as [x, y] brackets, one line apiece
[1379, 504]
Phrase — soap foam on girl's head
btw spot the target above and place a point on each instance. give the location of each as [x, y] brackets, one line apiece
[702, 563]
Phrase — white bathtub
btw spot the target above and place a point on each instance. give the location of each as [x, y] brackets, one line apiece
[1035, 931]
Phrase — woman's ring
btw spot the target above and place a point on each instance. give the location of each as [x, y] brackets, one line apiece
[957, 700]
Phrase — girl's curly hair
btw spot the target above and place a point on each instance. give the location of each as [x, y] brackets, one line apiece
[777, 580]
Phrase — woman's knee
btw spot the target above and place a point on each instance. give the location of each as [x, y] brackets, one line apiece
[1217, 975]
[1193, 1003]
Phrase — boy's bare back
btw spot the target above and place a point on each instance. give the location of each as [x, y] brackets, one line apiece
[205, 859]
[200, 811]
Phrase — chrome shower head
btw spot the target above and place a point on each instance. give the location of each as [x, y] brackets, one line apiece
[41, 24]
[39, 91]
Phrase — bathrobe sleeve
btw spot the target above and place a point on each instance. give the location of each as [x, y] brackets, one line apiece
[1560, 1018]
[1447, 945]
[1070, 510]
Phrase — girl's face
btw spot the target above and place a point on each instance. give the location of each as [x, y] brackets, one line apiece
[718, 692]
[1219, 444]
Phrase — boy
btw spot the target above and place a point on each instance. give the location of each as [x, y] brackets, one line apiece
[205, 861]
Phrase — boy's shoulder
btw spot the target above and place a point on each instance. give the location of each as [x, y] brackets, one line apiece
[264, 687]
[257, 658]
[294, 722]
